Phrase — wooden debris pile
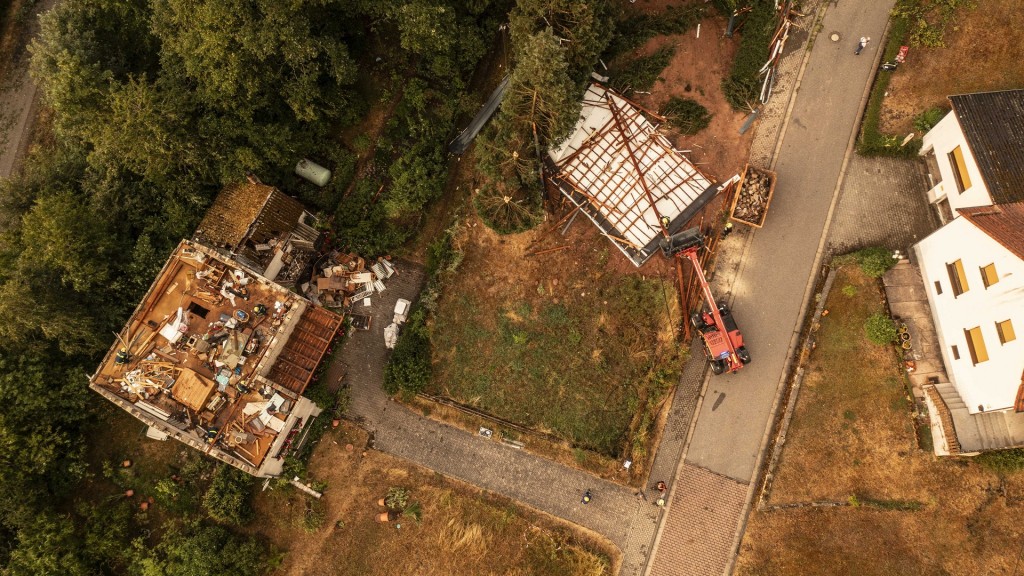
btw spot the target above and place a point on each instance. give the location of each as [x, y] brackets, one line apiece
[755, 193]
[346, 280]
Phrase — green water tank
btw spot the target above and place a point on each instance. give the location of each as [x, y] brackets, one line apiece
[313, 172]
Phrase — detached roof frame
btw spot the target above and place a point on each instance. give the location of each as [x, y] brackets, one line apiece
[626, 176]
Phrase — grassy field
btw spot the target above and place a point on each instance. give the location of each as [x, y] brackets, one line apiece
[981, 52]
[560, 342]
[853, 494]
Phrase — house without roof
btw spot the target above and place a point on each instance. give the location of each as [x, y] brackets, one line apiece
[625, 175]
[217, 356]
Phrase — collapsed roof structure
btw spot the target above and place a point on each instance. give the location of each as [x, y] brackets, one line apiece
[263, 228]
[626, 176]
[218, 356]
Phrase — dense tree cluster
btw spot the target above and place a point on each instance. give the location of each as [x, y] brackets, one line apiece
[555, 45]
[153, 105]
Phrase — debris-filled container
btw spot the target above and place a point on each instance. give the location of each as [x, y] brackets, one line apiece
[750, 204]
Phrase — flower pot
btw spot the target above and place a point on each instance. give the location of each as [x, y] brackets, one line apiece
[904, 336]
[383, 517]
[907, 345]
[380, 502]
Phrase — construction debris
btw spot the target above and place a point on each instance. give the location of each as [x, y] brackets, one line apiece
[750, 206]
[345, 280]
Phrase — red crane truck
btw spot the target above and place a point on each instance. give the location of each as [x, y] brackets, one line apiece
[722, 339]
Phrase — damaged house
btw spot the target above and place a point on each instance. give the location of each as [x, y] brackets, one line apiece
[263, 228]
[217, 355]
[619, 170]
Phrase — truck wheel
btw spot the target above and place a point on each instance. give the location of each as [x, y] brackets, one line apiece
[697, 320]
[717, 367]
[743, 354]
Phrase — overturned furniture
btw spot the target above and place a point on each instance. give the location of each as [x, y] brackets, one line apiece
[345, 280]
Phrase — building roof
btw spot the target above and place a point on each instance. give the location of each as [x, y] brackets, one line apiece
[625, 175]
[993, 124]
[208, 357]
[1004, 223]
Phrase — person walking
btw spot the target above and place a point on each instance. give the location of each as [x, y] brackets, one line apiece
[587, 497]
[862, 44]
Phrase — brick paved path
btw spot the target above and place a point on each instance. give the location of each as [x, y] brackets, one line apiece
[616, 512]
[892, 192]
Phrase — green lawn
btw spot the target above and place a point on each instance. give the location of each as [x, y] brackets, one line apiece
[588, 367]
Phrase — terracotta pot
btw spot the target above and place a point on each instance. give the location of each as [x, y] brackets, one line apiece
[129, 493]
[144, 506]
[335, 423]
[380, 502]
[382, 517]
[126, 464]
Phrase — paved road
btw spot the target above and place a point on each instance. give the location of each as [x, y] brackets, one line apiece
[771, 291]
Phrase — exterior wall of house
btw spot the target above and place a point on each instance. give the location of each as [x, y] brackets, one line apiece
[940, 141]
[991, 384]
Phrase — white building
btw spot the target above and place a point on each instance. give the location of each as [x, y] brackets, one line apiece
[973, 269]
[975, 155]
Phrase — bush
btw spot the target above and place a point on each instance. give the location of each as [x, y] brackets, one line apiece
[743, 85]
[1003, 461]
[686, 115]
[640, 74]
[408, 369]
[880, 328]
[227, 499]
[876, 261]
[927, 120]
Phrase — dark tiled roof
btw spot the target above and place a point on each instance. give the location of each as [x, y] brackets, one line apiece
[228, 220]
[309, 341]
[993, 123]
[1003, 222]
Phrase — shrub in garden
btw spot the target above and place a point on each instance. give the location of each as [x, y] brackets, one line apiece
[875, 261]
[227, 499]
[880, 328]
[686, 115]
[927, 120]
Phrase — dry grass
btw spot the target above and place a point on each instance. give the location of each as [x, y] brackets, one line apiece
[462, 531]
[851, 440]
[982, 53]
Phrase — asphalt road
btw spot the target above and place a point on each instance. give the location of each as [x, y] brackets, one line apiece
[780, 259]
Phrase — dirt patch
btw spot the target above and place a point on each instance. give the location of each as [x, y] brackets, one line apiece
[696, 72]
[890, 507]
[460, 530]
[982, 54]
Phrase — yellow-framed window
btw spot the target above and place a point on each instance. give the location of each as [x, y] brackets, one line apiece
[956, 161]
[957, 277]
[1005, 330]
[976, 345]
[989, 275]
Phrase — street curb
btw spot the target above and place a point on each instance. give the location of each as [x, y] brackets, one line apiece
[811, 282]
